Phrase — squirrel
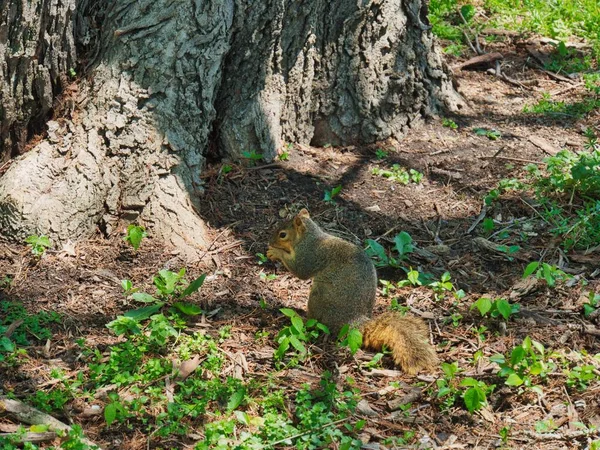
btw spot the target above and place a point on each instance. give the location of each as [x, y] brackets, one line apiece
[344, 290]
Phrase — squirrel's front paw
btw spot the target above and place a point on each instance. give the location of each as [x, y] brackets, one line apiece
[271, 254]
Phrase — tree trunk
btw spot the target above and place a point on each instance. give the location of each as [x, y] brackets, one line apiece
[165, 77]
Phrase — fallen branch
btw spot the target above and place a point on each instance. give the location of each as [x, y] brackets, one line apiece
[29, 437]
[481, 60]
[32, 416]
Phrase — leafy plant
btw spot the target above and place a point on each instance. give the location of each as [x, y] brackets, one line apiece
[114, 410]
[297, 334]
[399, 174]
[474, 392]
[38, 244]
[489, 133]
[252, 156]
[134, 235]
[449, 123]
[496, 308]
[381, 154]
[331, 194]
[544, 271]
[592, 305]
[351, 338]
[402, 245]
[526, 363]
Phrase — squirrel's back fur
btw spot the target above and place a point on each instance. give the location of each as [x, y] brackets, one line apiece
[344, 290]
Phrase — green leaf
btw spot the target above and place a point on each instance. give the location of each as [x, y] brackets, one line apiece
[110, 413]
[127, 285]
[376, 249]
[403, 243]
[503, 308]
[450, 369]
[498, 358]
[536, 368]
[474, 399]
[6, 344]
[143, 297]
[39, 428]
[413, 277]
[354, 340]
[344, 331]
[297, 323]
[323, 328]
[514, 380]
[236, 399]
[284, 344]
[188, 309]
[288, 312]
[166, 281]
[468, 12]
[588, 309]
[539, 347]
[143, 313]
[517, 355]
[548, 275]
[297, 344]
[526, 343]
[483, 305]
[135, 234]
[531, 267]
[468, 381]
[194, 286]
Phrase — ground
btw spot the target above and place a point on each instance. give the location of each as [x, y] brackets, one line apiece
[82, 282]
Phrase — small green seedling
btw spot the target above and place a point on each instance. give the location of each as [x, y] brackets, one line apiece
[114, 409]
[39, 244]
[402, 244]
[134, 235]
[399, 174]
[449, 123]
[252, 156]
[544, 271]
[381, 154]
[496, 308]
[261, 259]
[489, 133]
[592, 305]
[331, 194]
[351, 338]
[297, 334]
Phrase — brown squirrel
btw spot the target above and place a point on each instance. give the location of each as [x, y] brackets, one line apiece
[344, 289]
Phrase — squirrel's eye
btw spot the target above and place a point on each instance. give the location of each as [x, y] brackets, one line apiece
[282, 235]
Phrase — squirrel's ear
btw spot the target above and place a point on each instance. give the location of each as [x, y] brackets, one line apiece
[304, 214]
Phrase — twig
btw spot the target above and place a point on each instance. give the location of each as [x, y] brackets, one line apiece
[477, 48]
[265, 166]
[478, 219]
[508, 158]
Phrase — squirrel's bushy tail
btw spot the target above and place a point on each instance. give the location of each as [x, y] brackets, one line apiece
[405, 336]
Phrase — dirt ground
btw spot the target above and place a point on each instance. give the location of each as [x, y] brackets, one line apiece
[242, 207]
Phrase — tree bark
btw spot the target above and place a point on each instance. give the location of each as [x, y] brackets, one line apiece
[166, 77]
[37, 49]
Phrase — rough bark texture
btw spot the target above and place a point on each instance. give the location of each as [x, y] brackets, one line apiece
[336, 72]
[37, 50]
[167, 76]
